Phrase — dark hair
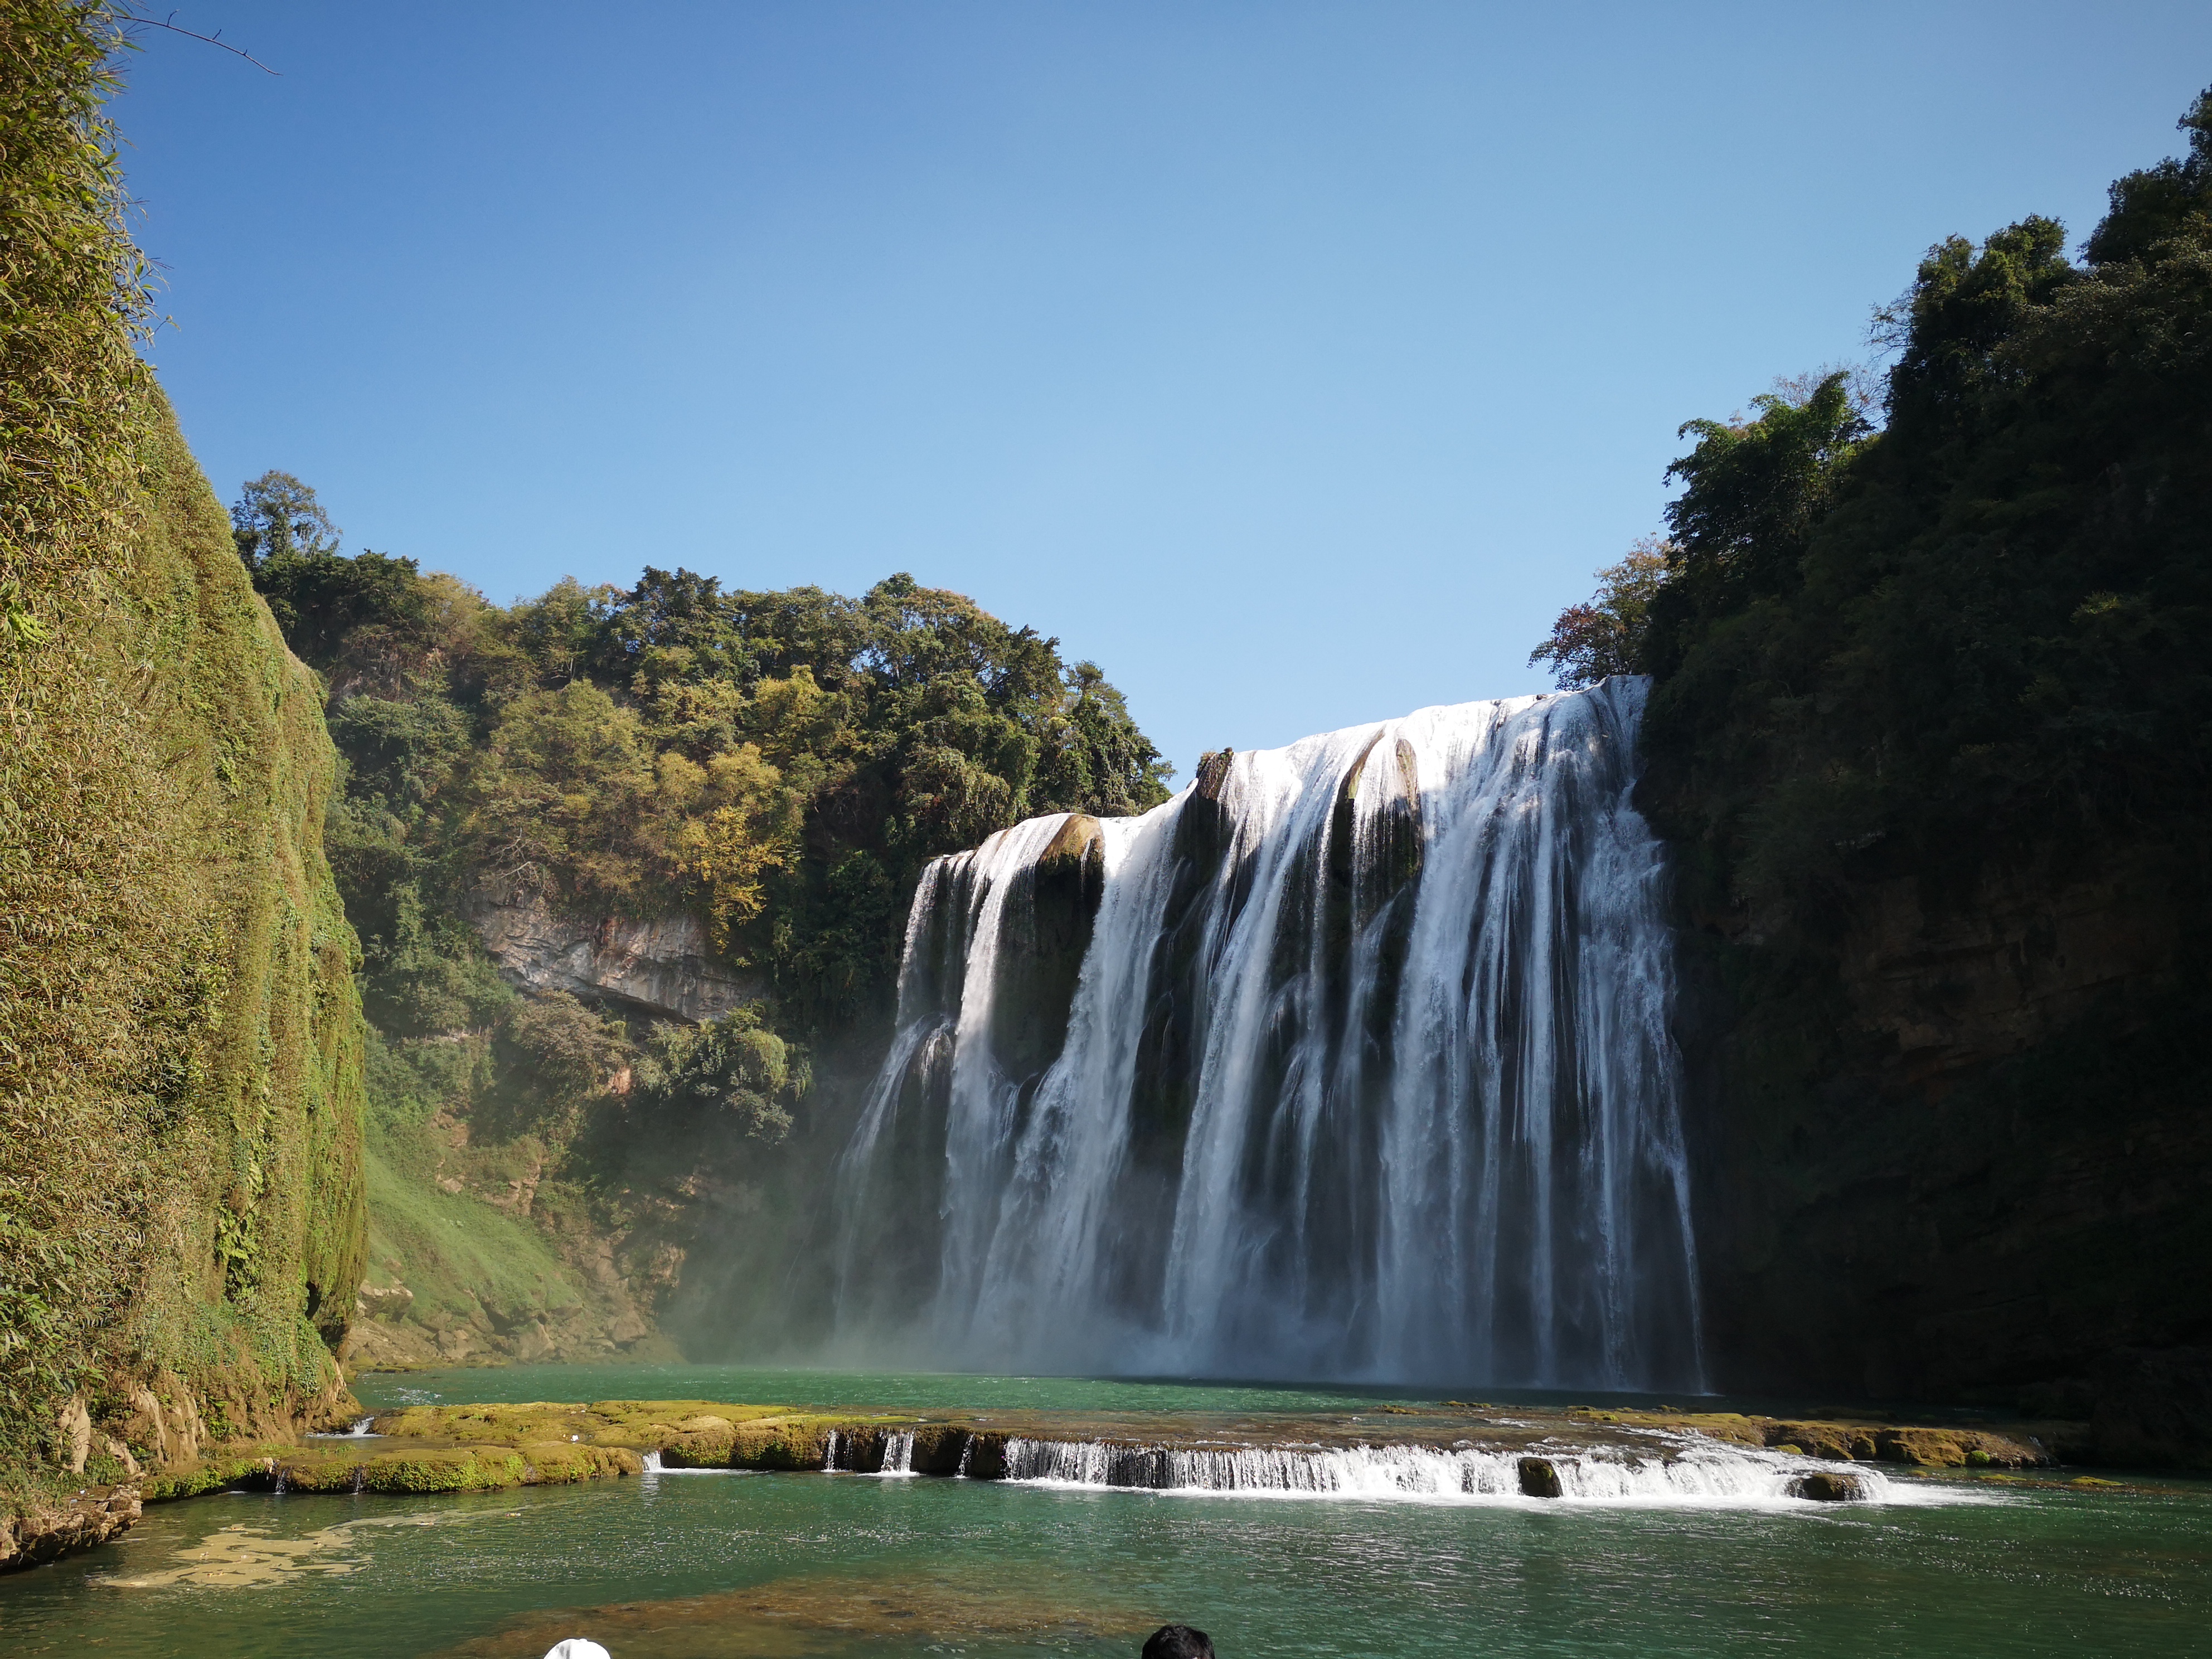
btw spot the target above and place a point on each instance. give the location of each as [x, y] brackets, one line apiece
[1178, 1642]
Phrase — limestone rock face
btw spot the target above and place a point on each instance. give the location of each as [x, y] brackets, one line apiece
[163, 1421]
[385, 1301]
[661, 965]
[2155, 1408]
[1956, 987]
[76, 1433]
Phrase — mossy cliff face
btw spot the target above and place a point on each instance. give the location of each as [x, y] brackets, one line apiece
[182, 1215]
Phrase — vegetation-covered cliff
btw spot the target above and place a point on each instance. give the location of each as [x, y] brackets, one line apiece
[1932, 737]
[631, 869]
[182, 1218]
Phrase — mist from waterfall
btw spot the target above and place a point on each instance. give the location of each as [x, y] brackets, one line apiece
[1352, 1060]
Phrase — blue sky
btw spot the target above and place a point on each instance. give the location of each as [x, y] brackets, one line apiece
[1296, 362]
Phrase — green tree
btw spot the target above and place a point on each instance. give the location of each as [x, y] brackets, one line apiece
[1592, 641]
[278, 517]
[2163, 202]
[732, 1065]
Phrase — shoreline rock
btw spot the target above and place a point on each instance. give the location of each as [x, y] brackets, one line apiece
[45, 1532]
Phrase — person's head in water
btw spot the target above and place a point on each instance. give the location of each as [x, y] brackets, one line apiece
[1179, 1641]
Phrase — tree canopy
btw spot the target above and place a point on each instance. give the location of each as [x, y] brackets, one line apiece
[781, 763]
[1976, 627]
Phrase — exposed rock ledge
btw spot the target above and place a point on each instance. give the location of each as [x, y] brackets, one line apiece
[42, 1532]
[661, 966]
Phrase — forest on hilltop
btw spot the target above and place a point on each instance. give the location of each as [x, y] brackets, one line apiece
[1930, 737]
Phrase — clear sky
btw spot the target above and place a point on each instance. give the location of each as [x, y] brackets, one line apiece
[1296, 362]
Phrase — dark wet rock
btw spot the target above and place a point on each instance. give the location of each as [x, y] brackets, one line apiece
[937, 1449]
[1205, 825]
[1372, 857]
[2154, 1408]
[1540, 1477]
[985, 1458]
[1044, 931]
[1826, 1488]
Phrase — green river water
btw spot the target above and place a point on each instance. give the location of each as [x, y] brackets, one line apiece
[698, 1566]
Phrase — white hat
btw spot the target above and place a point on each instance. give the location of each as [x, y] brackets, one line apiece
[577, 1648]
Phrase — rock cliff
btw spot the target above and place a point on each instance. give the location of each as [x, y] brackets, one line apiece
[657, 966]
[1964, 1155]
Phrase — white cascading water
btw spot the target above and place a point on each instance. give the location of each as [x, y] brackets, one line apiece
[843, 1453]
[1677, 1471]
[1362, 1069]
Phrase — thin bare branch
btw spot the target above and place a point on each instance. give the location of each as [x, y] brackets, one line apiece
[175, 28]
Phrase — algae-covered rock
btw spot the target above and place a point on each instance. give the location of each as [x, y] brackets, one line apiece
[1825, 1487]
[1540, 1477]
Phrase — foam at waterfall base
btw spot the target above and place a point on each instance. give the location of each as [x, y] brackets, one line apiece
[1678, 1472]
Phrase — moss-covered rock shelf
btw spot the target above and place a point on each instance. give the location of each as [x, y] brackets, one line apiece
[434, 1449]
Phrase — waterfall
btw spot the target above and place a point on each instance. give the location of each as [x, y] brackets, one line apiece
[885, 1452]
[1351, 1060]
[1677, 1471]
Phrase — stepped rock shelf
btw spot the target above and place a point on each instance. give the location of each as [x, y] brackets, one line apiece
[1443, 1452]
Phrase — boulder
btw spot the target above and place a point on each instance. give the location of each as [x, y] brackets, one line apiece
[384, 1301]
[1540, 1477]
[1825, 1487]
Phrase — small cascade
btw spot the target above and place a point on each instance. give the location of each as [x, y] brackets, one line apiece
[282, 1480]
[362, 1428]
[655, 1463]
[1352, 1060]
[868, 1451]
[360, 1479]
[1678, 1471]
